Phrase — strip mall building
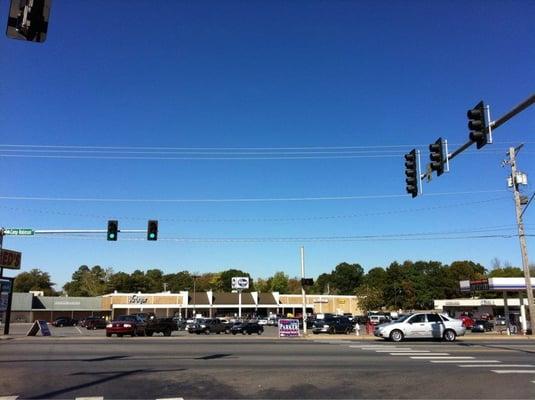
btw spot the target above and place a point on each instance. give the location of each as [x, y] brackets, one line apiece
[28, 307]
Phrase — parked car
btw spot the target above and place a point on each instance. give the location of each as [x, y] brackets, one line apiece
[421, 325]
[377, 319]
[95, 323]
[262, 321]
[208, 326]
[154, 324]
[64, 321]
[468, 322]
[332, 325]
[126, 325]
[180, 323]
[481, 325]
[247, 328]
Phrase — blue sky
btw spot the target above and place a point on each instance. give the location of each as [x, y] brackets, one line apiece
[253, 75]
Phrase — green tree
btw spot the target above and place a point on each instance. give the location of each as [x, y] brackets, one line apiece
[506, 272]
[119, 281]
[180, 281]
[224, 283]
[323, 284]
[279, 282]
[88, 282]
[347, 277]
[155, 280]
[34, 279]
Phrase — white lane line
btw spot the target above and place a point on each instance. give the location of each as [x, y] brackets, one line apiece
[513, 371]
[382, 346]
[9, 397]
[171, 398]
[441, 358]
[402, 351]
[498, 366]
[78, 329]
[466, 361]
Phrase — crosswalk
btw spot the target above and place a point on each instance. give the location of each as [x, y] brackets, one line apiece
[437, 357]
[89, 398]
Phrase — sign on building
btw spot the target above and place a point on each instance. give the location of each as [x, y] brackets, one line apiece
[10, 259]
[240, 282]
[288, 327]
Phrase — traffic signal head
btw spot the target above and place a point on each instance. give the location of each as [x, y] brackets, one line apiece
[28, 20]
[113, 228]
[476, 125]
[152, 230]
[438, 156]
[411, 172]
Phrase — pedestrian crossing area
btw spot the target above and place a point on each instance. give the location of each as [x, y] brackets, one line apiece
[89, 398]
[438, 357]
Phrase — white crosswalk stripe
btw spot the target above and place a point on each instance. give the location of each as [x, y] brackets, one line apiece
[513, 371]
[498, 366]
[418, 353]
[442, 357]
[9, 397]
[402, 351]
[464, 361]
[89, 398]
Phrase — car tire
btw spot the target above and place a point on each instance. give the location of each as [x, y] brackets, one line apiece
[108, 334]
[167, 332]
[234, 333]
[243, 333]
[331, 331]
[259, 332]
[449, 335]
[396, 335]
[207, 332]
[60, 325]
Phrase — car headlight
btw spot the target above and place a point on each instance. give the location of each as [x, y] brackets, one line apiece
[109, 326]
[127, 326]
[325, 326]
[203, 326]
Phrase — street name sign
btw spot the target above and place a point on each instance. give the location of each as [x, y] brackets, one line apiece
[18, 231]
[10, 259]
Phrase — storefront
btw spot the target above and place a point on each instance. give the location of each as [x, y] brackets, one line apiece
[28, 307]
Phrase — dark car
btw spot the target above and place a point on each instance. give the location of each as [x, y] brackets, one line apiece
[95, 323]
[126, 325]
[332, 325]
[481, 325]
[247, 328]
[208, 326]
[64, 321]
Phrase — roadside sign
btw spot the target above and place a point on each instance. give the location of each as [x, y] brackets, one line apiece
[10, 259]
[5, 290]
[39, 326]
[240, 282]
[19, 231]
[288, 327]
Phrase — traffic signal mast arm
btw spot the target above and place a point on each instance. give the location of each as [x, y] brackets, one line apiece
[496, 124]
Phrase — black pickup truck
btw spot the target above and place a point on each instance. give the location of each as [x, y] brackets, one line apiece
[157, 325]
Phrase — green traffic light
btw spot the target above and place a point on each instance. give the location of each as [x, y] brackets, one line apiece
[111, 236]
[152, 235]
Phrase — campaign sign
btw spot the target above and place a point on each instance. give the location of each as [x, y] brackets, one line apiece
[39, 326]
[5, 289]
[288, 327]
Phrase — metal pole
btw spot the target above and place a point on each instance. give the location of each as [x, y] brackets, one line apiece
[194, 297]
[239, 303]
[303, 294]
[522, 239]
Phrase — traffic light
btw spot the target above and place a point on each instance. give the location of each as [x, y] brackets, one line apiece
[411, 171]
[28, 20]
[438, 156]
[113, 228]
[152, 230]
[476, 125]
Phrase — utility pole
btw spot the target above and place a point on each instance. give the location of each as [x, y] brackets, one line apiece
[521, 234]
[303, 294]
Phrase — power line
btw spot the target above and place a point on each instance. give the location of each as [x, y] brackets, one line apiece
[241, 200]
[260, 219]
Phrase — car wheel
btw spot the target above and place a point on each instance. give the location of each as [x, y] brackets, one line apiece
[348, 331]
[95, 328]
[218, 332]
[108, 334]
[60, 325]
[259, 332]
[331, 331]
[234, 333]
[167, 332]
[449, 335]
[207, 332]
[396, 335]
[243, 333]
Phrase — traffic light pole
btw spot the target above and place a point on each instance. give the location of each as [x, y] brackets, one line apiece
[522, 239]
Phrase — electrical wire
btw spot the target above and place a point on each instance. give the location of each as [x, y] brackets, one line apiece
[263, 219]
[241, 200]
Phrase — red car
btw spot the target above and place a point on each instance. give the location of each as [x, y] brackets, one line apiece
[468, 322]
[126, 325]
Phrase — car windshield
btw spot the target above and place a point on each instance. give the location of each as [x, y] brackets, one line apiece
[403, 318]
[127, 318]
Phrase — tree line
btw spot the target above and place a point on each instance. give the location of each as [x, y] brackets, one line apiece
[407, 285]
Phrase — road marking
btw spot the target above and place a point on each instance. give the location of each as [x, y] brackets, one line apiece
[78, 329]
[171, 398]
[416, 353]
[465, 361]
[498, 366]
[513, 371]
[9, 397]
[402, 351]
[442, 358]
[90, 398]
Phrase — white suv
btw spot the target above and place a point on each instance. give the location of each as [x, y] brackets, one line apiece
[421, 325]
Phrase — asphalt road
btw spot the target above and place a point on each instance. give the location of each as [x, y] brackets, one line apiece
[260, 367]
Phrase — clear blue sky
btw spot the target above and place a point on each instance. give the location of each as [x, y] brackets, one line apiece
[252, 74]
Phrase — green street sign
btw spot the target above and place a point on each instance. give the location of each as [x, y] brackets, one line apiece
[18, 231]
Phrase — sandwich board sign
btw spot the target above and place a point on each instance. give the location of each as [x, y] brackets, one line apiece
[289, 328]
[39, 326]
